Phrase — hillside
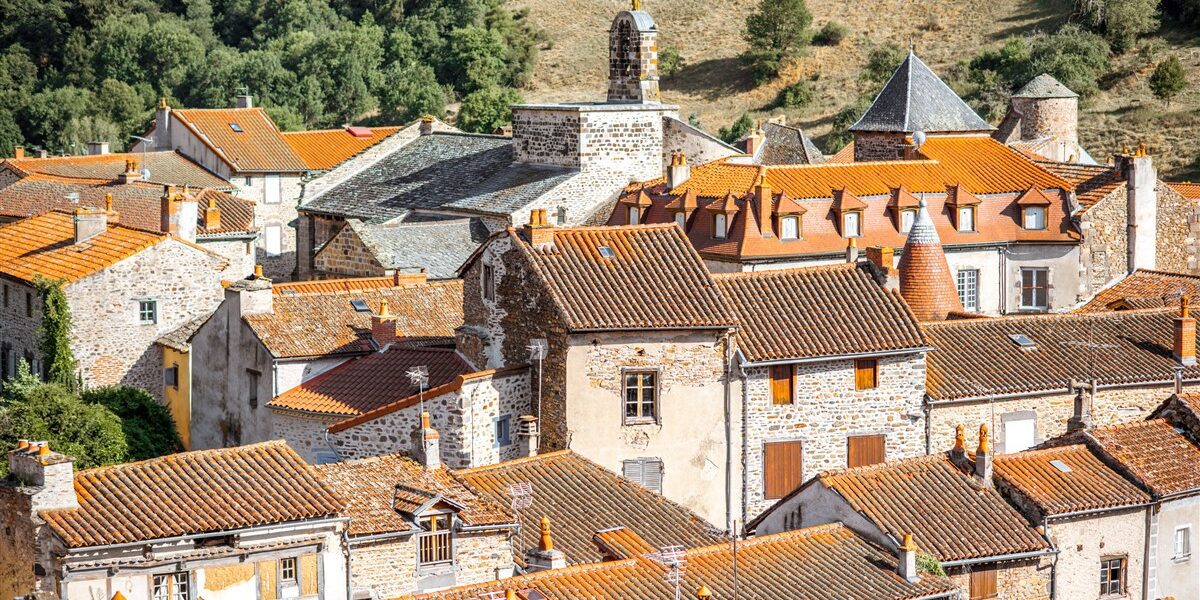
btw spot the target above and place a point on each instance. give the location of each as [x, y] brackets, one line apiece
[717, 88]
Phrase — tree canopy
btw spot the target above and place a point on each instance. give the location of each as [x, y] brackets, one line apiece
[89, 432]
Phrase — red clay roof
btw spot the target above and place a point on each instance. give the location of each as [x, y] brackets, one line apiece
[1144, 289]
[1153, 453]
[368, 382]
[356, 284]
[45, 245]
[191, 493]
[1187, 189]
[1093, 183]
[925, 279]
[259, 146]
[166, 167]
[816, 311]
[327, 148]
[1087, 483]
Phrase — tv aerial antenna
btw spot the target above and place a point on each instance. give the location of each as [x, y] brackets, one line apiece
[674, 559]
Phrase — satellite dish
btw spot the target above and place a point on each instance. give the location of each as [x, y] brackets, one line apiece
[145, 174]
[918, 138]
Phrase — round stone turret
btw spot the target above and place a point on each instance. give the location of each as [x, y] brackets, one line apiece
[1048, 110]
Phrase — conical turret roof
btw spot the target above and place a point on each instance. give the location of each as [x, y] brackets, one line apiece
[916, 99]
[925, 280]
[1045, 86]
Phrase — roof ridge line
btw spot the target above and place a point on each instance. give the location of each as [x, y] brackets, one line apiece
[521, 460]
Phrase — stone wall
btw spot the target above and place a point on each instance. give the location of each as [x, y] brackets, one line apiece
[1046, 117]
[870, 146]
[1083, 541]
[18, 535]
[19, 332]
[239, 253]
[827, 409]
[303, 432]
[587, 198]
[699, 146]
[389, 569]
[1017, 580]
[346, 256]
[283, 266]
[1178, 231]
[623, 138]
[547, 136]
[632, 61]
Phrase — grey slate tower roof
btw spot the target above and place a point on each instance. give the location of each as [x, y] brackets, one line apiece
[786, 145]
[916, 99]
[438, 245]
[1045, 86]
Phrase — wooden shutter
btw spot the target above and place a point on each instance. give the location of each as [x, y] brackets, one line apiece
[783, 469]
[863, 450]
[647, 472]
[781, 384]
[866, 372]
[983, 582]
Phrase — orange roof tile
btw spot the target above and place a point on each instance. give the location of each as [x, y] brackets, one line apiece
[258, 146]
[1093, 183]
[622, 542]
[356, 284]
[1187, 189]
[1144, 289]
[1152, 453]
[366, 383]
[166, 167]
[191, 493]
[1086, 483]
[45, 245]
[325, 149]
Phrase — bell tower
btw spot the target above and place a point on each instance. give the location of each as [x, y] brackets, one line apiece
[633, 57]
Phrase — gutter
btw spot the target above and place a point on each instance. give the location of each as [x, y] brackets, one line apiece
[1000, 557]
[222, 533]
[642, 329]
[813, 359]
[1092, 511]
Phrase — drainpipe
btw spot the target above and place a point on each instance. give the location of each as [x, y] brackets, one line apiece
[1146, 578]
[728, 431]
[928, 408]
[745, 443]
[1003, 302]
[346, 554]
[1054, 563]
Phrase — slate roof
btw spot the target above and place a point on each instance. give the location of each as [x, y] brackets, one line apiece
[1112, 348]
[443, 171]
[1044, 86]
[258, 147]
[324, 149]
[950, 514]
[654, 280]
[325, 323]
[166, 167]
[582, 498]
[439, 246]
[816, 311]
[368, 382]
[828, 561]
[1144, 289]
[916, 99]
[369, 486]
[191, 493]
[786, 145]
[45, 245]
[1153, 453]
[1088, 484]
[181, 337]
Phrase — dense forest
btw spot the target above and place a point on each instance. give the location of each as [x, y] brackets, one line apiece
[74, 71]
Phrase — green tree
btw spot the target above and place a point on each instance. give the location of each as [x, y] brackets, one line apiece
[881, 63]
[1168, 79]
[122, 105]
[55, 331]
[736, 130]
[1121, 22]
[839, 134]
[487, 109]
[670, 62]
[147, 425]
[796, 95]
[89, 432]
[18, 386]
[776, 30]
[10, 133]
[411, 91]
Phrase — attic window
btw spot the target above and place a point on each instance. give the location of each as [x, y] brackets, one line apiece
[607, 252]
[360, 305]
[1060, 465]
[1022, 340]
[236, 128]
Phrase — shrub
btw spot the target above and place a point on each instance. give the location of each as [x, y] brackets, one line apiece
[831, 34]
[776, 30]
[797, 95]
[839, 134]
[89, 432]
[765, 64]
[881, 63]
[148, 427]
[1121, 22]
[1168, 79]
[487, 109]
[737, 129]
[930, 565]
[670, 62]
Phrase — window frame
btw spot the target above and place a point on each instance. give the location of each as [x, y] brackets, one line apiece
[776, 374]
[172, 583]
[142, 311]
[253, 380]
[961, 287]
[958, 216]
[1027, 211]
[720, 226]
[908, 217]
[633, 215]
[443, 550]
[487, 275]
[502, 423]
[1186, 538]
[858, 224]
[272, 182]
[1034, 288]
[171, 376]
[768, 492]
[783, 227]
[1106, 572]
[983, 575]
[866, 364]
[640, 419]
[284, 568]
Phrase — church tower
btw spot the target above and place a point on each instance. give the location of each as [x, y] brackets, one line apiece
[633, 57]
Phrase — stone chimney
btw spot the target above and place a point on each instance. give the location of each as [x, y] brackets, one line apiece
[34, 464]
[212, 215]
[766, 204]
[1137, 169]
[245, 101]
[530, 434]
[252, 295]
[428, 450]
[925, 280]
[544, 557]
[426, 127]
[679, 172]
[383, 327]
[19, 152]
[131, 173]
[162, 126]
[907, 560]
[539, 231]
[852, 250]
[1081, 410]
[983, 457]
[95, 148]
[89, 223]
[1184, 349]
[179, 214]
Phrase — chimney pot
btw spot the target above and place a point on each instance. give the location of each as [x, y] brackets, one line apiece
[383, 330]
[179, 214]
[703, 593]
[766, 207]
[258, 272]
[212, 215]
[529, 432]
[983, 457]
[19, 152]
[907, 563]
[429, 444]
[1185, 334]
[36, 465]
[679, 172]
[539, 231]
[545, 557]
[131, 172]
[426, 127]
[97, 148]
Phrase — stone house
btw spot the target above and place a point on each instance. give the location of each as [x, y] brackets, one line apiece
[1043, 122]
[986, 547]
[638, 349]
[266, 339]
[125, 287]
[1143, 288]
[414, 527]
[817, 391]
[119, 531]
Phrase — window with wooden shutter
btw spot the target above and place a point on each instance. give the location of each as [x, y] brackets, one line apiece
[866, 373]
[783, 469]
[781, 384]
[983, 582]
[647, 472]
[863, 450]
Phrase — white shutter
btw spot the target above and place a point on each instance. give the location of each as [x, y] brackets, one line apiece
[652, 474]
[1019, 434]
[272, 193]
[272, 235]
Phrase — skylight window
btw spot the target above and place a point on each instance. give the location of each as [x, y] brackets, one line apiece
[1060, 465]
[360, 305]
[1022, 340]
[235, 127]
[607, 252]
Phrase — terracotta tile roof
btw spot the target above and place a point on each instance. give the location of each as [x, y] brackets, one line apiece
[823, 562]
[137, 204]
[978, 165]
[1093, 183]
[653, 280]
[325, 149]
[166, 168]
[190, 493]
[368, 382]
[259, 146]
[1144, 289]
[925, 279]
[621, 542]
[369, 486]
[325, 323]
[1153, 453]
[1086, 484]
[1188, 190]
[45, 245]
[816, 311]
[951, 515]
[356, 284]
[1111, 348]
[582, 498]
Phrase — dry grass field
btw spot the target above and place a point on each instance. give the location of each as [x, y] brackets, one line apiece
[716, 86]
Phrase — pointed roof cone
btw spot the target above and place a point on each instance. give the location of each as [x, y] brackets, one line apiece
[916, 99]
[1045, 86]
[925, 280]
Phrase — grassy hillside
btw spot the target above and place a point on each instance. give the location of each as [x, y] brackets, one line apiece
[716, 86]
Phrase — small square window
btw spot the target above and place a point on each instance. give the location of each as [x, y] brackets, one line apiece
[606, 252]
[1112, 577]
[966, 218]
[646, 472]
[1034, 218]
[866, 373]
[249, 181]
[171, 376]
[236, 128]
[360, 305]
[641, 397]
[147, 312]
[287, 570]
[503, 431]
[1183, 543]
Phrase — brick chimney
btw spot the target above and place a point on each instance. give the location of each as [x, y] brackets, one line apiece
[212, 215]
[131, 173]
[983, 457]
[679, 172]
[925, 280]
[97, 148]
[907, 559]
[179, 214]
[1141, 205]
[19, 152]
[34, 464]
[544, 557]
[383, 327]
[766, 204]
[89, 223]
[529, 433]
[539, 231]
[426, 127]
[428, 449]
[244, 101]
[113, 216]
[1184, 349]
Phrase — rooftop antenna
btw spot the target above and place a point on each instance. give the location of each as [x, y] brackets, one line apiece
[674, 558]
[520, 494]
[419, 377]
[146, 141]
[537, 352]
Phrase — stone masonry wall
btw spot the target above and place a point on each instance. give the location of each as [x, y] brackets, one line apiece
[19, 332]
[1104, 253]
[700, 147]
[546, 136]
[277, 268]
[389, 567]
[627, 140]
[1084, 541]
[1017, 580]
[305, 433]
[633, 62]
[870, 146]
[346, 256]
[17, 543]
[1178, 231]
[1045, 117]
[587, 198]
[239, 253]
[827, 409]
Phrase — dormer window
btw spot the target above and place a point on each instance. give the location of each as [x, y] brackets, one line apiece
[789, 228]
[1034, 218]
[907, 218]
[1033, 204]
[849, 213]
[852, 224]
[435, 544]
[720, 223]
[966, 218]
[634, 214]
[904, 209]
